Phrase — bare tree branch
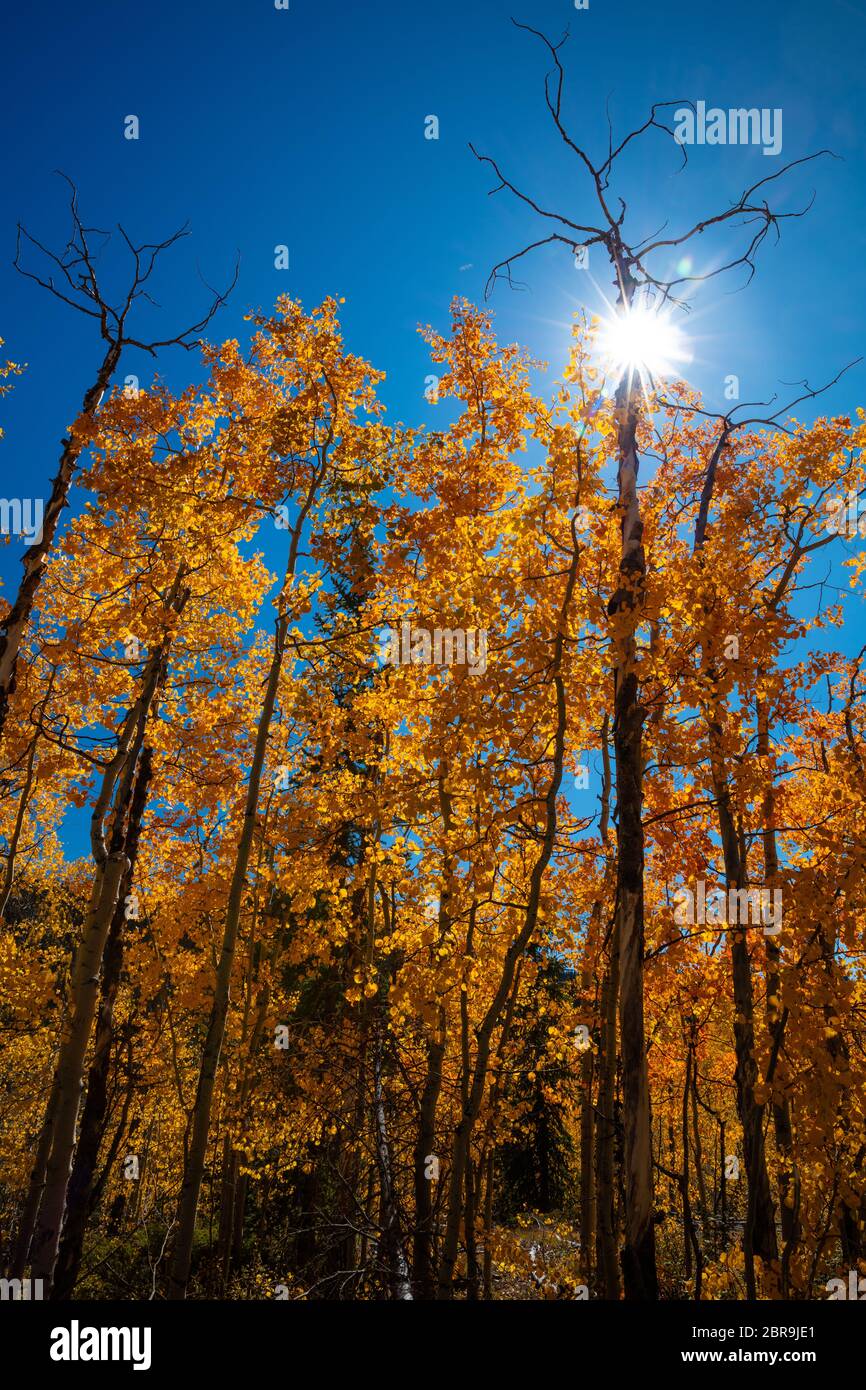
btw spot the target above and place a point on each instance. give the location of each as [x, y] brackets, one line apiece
[71, 276]
[631, 259]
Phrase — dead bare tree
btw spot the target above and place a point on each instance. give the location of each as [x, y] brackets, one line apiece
[72, 278]
[636, 280]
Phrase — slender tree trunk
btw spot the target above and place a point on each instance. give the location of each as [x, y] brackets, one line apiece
[468, 1197]
[393, 1250]
[587, 1164]
[475, 1094]
[202, 1106]
[15, 837]
[201, 1118]
[788, 1180]
[723, 1185]
[703, 1202]
[488, 1227]
[487, 1163]
[424, 1273]
[234, 1182]
[472, 1281]
[587, 1117]
[80, 1195]
[228, 1191]
[241, 1189]
[36, 1185]
[690, 1234]
[607, 1263]
[638, 1256]
[422, 1243]
[70, 1069]
[115, 797]
[606, 1238]
[760, 1233]
[850, 1233]
[14, 625]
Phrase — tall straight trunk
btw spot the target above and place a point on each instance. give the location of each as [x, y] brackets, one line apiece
[70, 1069]
[203, 1104]
[587, 1116]
[342, 1253]
[423, 1273]
[472, 1271]
[689, 1232]
[15, 837]
[487, 1264]
[783, 1128]
[80, 1198]
[723, 1185]
[605, 1237]
[474, 1094]
[487, 1163]
[241, 1189]
[760, 1233]
[240, 1183]
[14, 626]
[587, 1163]
[423, 1269]
[393, 1251]
[607, 1259]
[850, 1233]
[201, 1117]
[703, 1203]
[114, 801]
[684, 1187]
[36, 1186]
[465, 1063]
[638, 1255]
[228, 1192]
[234, 1182]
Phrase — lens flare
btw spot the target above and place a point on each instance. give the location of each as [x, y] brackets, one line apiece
[642, 341]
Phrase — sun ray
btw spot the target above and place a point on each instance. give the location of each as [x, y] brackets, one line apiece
[642, 341]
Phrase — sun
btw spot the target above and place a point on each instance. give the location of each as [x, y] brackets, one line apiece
[642, 340]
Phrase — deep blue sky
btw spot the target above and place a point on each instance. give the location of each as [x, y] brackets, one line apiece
[306, 127]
